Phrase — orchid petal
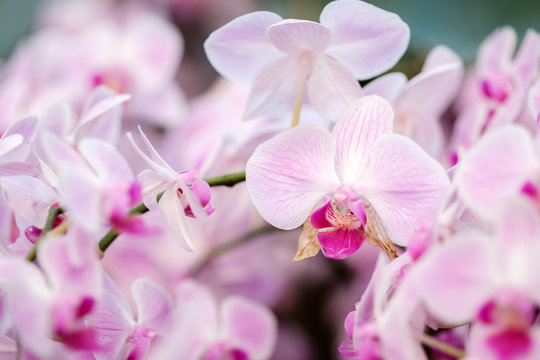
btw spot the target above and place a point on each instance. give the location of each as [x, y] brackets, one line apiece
[289, 174]
[366, 39]
[249, 326]
[495, 169]
[340, 243]
[295, 36]
[363, 123]
[152, 49]
[58, 119]
[29, 197]
[174, 216]
[161, 168]
[434, 89]
[154, 305]
[534, 102]
[101, 116]
[105, 160]
[331, 88]
[239, 49]
[526, 60]
[274, 88]
[455, 280]
[387, 86]
[404, 185]
[496, 52]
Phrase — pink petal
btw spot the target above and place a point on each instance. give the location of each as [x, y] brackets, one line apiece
[455, 280]
[274, 88]
[155, 161]
[526, 60]
[154, 305]
[152, 49]
[331, 88]
[29, 198]
[340, 243]
[239, 49]
[496, 168]
[295, 36]
[366, 39]
[152, 185]
[534, 102]
[105, 160]
[102, 115]
[289, 174]
[432, 91]
[404, 185]
[387, 86]
[496, 52]
[440, 55]
[173, 213]
[58, 119]
[364, 122]
[249, 326]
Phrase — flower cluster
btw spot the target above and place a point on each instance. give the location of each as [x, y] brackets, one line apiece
[136, 223]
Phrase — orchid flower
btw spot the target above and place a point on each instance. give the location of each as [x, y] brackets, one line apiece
[238, 328]
[184, 195]
[122, 335]
[490, 281]
[352, 180]
[282, 59]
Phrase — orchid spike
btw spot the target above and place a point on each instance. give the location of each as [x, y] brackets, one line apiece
[283, 59]
[358, 180]
[183, 193]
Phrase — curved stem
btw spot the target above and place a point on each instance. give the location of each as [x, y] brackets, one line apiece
[49, 223]
[441, 346]
[226, 247]
[227, 179]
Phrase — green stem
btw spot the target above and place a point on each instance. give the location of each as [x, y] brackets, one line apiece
[51, 217]
[226, 247]
[227, 179]
[106, 241]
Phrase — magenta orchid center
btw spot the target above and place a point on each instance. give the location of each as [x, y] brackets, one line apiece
[341, 221]
[512, 316]
[497, 87]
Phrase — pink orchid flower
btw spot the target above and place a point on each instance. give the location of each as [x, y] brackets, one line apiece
[238, 328]
[121, 334]
[282, 59]
[184, 195]
[340, 174]
[490, 281]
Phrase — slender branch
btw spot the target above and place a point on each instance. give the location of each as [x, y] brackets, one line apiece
[228, 246]
[49, 223]
[106, 241]
[227, 179]
[441, 346]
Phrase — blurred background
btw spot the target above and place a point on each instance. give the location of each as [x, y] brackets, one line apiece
[460, 24]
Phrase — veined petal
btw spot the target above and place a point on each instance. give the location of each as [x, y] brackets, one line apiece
[366, 39]
[249, 326]
[496, 168]
[294, 36]
[274, 88]
[455, 280]
[404, 185]
[332, 88]
[289, 174]
[239, 49]
[362, 124]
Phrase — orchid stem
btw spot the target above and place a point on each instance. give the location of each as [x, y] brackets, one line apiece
[441, 346]
[300, 89]
[106, 241]
[221, 180]
[49, 223]
[228, 246]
